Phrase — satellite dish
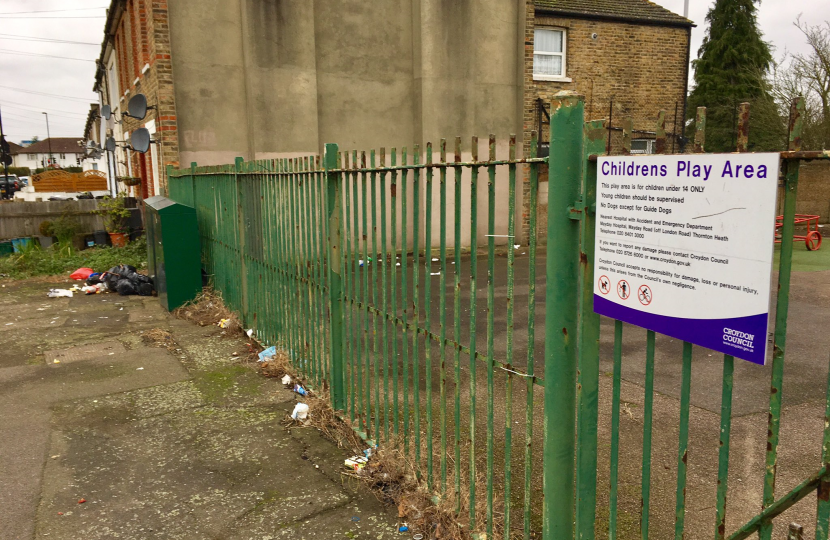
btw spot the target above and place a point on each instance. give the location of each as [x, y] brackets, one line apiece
[110, 144]
[140, 140]
[137, 107]
[106, 112]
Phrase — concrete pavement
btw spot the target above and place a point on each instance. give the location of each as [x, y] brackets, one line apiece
[180, 443]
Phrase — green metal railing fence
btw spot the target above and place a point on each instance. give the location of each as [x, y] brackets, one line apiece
[366, 268]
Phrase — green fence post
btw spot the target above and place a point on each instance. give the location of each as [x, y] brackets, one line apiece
[588, 347]
[791, 167]
[561, 298]
[333, 183]
[240, 216]
[193, 166]
[823, 491]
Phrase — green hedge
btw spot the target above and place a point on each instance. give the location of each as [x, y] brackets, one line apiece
[19, 171]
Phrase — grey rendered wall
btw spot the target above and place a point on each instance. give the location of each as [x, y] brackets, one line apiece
[281, 78]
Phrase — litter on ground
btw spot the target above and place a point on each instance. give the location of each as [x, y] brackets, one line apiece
[300, 412]
[356, 463]
[57, 293]
[268, 353]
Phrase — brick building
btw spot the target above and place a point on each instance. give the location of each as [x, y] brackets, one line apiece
[135, 58]
[629, 58]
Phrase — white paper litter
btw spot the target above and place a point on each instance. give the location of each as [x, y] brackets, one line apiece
[57, 293]
[300, 412]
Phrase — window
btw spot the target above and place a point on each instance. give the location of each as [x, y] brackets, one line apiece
[32, 157]
[113, 84]
[549, 54]
[63, 156]
[94, 166]
[642, 146]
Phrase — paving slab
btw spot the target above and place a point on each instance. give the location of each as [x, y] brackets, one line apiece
[182, 443]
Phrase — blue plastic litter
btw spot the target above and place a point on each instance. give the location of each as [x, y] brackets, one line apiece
[270, 352]
[19, 244]
[300, 390]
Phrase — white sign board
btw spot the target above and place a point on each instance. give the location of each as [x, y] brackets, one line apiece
[684, 247]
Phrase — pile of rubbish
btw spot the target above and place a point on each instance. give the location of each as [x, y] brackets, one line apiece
[123, 279]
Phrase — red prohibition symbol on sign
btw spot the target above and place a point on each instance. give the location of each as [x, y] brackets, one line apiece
[623, 289]
[604, 285]
[644, 294]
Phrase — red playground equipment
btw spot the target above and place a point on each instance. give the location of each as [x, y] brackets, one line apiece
[812, 239]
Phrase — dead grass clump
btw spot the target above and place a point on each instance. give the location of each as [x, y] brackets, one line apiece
[208, 309]
[393, 475]
[277, 366]
[159, 338]
[323, 417]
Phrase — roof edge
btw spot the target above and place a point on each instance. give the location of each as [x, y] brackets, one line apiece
[617, 18]
[114, 14]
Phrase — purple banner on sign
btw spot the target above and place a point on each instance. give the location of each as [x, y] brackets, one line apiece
[742, 337]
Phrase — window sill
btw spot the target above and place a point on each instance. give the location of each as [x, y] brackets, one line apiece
[551, 78]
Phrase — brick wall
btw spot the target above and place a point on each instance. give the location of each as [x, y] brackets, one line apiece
[143, 43]
[642, 68]
[813, 192]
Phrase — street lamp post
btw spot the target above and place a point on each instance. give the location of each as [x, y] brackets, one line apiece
[49, 140]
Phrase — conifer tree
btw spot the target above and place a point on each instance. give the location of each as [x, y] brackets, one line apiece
[732, 67]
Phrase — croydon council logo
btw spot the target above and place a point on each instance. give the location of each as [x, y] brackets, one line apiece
[738, 339]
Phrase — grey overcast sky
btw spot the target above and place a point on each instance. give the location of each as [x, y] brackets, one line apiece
[29, 67]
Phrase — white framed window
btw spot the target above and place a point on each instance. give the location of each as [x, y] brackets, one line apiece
[63, 156]
[549, 51]
[643, 146]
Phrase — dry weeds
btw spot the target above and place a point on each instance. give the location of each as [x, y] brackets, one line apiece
[397, 480]
[208, 309]
[277, 366]
[160, 338]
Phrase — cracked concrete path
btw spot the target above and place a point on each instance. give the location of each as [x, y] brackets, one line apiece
[180, 443]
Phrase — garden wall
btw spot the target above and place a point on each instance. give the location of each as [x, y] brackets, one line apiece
[21, 219]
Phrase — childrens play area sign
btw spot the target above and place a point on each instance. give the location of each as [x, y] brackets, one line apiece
[684, 247]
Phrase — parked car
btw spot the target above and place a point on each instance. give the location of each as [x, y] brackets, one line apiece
[7, 188]
[24, 181]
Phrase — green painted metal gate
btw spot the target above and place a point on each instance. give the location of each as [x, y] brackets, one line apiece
[375, 273]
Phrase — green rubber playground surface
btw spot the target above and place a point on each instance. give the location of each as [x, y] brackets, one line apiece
[807, 261]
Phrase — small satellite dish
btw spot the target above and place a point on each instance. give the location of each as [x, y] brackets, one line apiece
[106, 112]
[137, 107]
[140, 140]
[110, 144]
